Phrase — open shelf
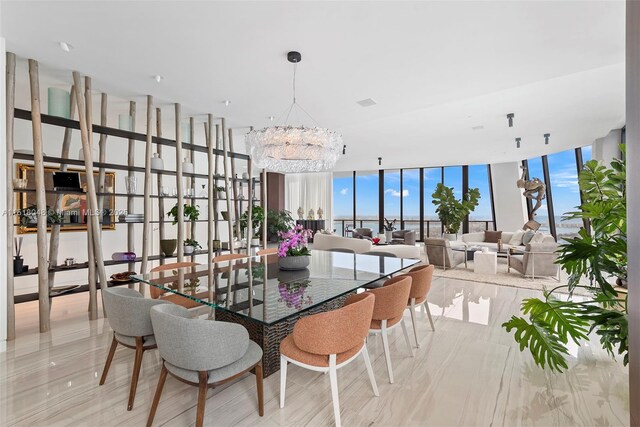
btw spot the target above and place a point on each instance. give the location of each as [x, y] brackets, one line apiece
[153, 196]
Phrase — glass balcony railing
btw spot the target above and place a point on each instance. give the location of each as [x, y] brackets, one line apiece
[432, 228]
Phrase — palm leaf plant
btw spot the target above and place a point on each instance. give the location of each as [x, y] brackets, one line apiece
[600, 256]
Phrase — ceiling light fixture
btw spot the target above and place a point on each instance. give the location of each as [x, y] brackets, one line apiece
[379, 161]
[518, 140]
[158, 78]
[510, 117]
[226, 102]
[271, 118]
[294, 148]
[344, 150]
[546, 138]
[65, 46]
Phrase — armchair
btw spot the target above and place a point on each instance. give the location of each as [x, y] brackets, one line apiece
[538, 260]
[403, 237]
[440, 253]
[363, 233]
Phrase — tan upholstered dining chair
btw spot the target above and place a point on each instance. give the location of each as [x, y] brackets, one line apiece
[420, 285]
[173, 298]
[267, 251]
[228, 257]
[391, 301]
[326, 342]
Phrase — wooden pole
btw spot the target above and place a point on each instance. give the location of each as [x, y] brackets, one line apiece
[102, 156]
[130, 200]
[180, 201]
[234, 183]
[91, 187]
[215, 182]
[249, 208]
[54, 238]
[211, 202]
[91, 231]
[192, 182]
[10, 111]
[226, 186]
[41, 200]
[147, 187]
[263, 189]
[161, 212]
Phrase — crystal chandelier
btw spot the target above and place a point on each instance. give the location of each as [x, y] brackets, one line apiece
[294, 148]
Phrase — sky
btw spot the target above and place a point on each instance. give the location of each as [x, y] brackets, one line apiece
[562, 171]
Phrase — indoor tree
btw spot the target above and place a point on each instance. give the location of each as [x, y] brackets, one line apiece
[452, 211]
[599, 255]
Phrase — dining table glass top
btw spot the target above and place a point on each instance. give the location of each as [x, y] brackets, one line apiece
[256, 288]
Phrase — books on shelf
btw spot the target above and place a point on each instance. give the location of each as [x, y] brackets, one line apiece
[131, 218]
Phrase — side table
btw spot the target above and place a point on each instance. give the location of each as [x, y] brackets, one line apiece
[485, 262]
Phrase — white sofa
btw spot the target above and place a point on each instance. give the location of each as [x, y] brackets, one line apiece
[326, 242]
[477, 240]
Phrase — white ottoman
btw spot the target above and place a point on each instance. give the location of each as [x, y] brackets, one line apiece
[485, 262]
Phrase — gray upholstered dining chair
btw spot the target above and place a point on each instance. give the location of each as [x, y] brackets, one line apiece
[128, 314]
[440, 253]
[538, 260]
[403, 237]
[363, 233]
[202, 353]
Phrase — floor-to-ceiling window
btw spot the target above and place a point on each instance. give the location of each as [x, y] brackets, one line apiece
[411, 200]
[432, 226]
[563, 174]
[342, 201]
[393, 195]
[482, 217]
[367, 191]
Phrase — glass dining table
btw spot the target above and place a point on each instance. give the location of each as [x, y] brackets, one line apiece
[255, 293]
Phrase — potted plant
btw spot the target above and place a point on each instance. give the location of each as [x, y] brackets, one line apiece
[190, 245]
[191, 213]
[220, 193]
[29, 216]
[389, 228]
[293, 251]
[278, 221]
[600, 255]
[452, 211]
[257, 218]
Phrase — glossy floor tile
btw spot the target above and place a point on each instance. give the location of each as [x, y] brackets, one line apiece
[468, 372]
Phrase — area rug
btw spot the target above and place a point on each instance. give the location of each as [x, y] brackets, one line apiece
[502, 278]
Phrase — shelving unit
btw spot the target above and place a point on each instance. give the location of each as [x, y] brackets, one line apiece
[95, 266]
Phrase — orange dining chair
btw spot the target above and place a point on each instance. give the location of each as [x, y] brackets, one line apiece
[326, 342]
[267, 251]
[420, 286]
[391, 301]
[228, 257]
[176, 299]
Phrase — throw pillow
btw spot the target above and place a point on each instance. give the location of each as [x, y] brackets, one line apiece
[492, 236]
[537, 238]
[528, 235]
[516, 239]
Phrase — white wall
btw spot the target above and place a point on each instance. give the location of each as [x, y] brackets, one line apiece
[510, 205]
[607, 148]
[310, 191]
[3, 205]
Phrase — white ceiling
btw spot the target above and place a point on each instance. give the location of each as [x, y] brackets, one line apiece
[436, 69]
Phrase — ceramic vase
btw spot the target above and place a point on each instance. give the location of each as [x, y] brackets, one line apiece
[291, 263]
[168, 246]
[187, 166]
[156, 162]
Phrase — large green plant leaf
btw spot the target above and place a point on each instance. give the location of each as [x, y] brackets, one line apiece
[544, 346]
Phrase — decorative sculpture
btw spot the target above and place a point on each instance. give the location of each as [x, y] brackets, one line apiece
[300, 213]
[534, 189]
[310, 215]
[320, 213]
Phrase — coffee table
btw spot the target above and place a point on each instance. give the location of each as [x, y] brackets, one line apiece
[485, 262]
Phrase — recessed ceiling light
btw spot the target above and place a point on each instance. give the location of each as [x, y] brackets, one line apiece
[226, 102]
[367, 102]
[158, 78]
[479, 127]
[272, 118]
[65, 46]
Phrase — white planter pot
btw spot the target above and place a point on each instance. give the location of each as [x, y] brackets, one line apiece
[387, 236]
[188, 249]
[293, 262]
[450, 236]
[255, 242]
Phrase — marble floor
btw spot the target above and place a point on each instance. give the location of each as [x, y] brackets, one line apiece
[469, 372]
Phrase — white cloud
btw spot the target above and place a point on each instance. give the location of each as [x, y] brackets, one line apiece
[395, 193]
[565, 178]
[344, 191]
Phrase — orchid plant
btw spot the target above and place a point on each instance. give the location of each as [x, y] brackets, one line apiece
[294, 242]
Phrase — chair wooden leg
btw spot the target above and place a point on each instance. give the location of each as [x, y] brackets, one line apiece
[387, 355]
[372, 378]
[137, 365]
[426, 306]
[260, 390]
[333, 379]
[202, 398]
[406, 337]
[156, 397]
[107, 364]
[283, 379]
[412, 309]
